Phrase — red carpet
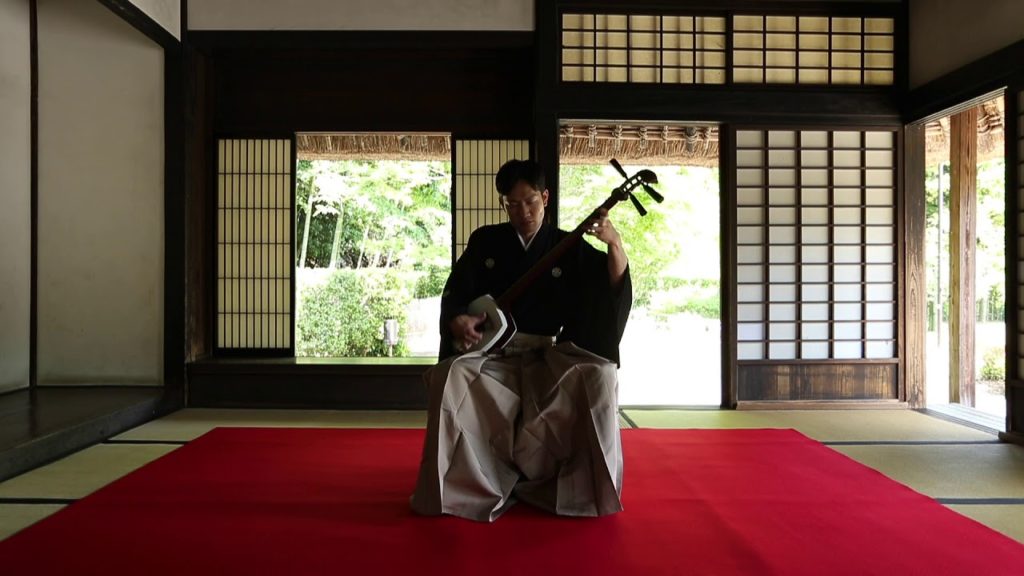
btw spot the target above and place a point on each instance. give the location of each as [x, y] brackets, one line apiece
[315, 501]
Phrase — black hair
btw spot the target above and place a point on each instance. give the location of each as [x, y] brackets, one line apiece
[513, 171]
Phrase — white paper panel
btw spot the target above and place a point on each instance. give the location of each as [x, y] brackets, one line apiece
[749, 254]
[749, 293]
[846, 312]
[781, 139]
[843, 350]
[749, 138]
[814, 312]
[814, 350]
[782, 331]
[815, 234]
[846, 235]
[782, 274]
[847, 293]
[814, 273]
[815, 292]
[813, 177]
[880, 331]
[101, 198]
[879, 293]
[15, 195]
[879, 273]
[496, 15]
[782, 196]
[782, 312]
[846, 273]
[750, 351]
[749, 235]
[813, 159]
[749, 196]
[750, 331]
[781, 350]
[750, 313]
[781, 293]
[880, 350]
[812, 139]
[814, 330]
[846, 331]
[782, 234]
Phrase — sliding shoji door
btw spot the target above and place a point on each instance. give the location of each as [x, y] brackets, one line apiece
[475, 200]
[817, 267]
[255, 288]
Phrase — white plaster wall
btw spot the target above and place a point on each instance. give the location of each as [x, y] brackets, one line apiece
[948, 34]
[15, 193]
[514, 15]
[166, 13]
[101, 182]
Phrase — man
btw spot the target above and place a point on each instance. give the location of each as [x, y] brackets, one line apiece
[538, 421]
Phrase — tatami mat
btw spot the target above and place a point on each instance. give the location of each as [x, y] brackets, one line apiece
[14, 517]
[83, 472]
[822, 425]
[194, 422]
[1006, 519]
[958, 471]
[939, 458]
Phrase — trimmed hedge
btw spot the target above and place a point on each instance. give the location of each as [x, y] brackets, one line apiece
[342, 314]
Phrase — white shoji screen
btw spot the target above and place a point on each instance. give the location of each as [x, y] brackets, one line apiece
[666, 49]
[813, 50]
[254, 244]
[816, 238]
[476, 199]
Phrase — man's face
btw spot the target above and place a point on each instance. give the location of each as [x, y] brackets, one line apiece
[525, 207]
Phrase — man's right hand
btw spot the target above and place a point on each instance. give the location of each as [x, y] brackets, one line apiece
[466, 330]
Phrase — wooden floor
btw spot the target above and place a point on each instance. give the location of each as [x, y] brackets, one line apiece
[964, 468]
[46, 422]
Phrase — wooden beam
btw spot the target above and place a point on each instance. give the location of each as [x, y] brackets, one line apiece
[142, 22]
[978, 78]
[33, 326]
[1014, 187]
[916, 283]
[963, 233]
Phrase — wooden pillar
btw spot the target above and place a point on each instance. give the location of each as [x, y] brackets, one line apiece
[963, 160]
[1014, 153]
[915, 309]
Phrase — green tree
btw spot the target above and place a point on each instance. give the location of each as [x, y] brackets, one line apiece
[674, 247]
[991, 239]
[372, 235]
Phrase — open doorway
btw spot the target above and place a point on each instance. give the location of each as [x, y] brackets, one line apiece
[671, 350]
[373, 245]
[965, 190]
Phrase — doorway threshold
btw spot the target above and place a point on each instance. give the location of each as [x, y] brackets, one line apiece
[967, 416]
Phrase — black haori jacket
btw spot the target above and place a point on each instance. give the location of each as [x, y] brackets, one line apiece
[573, 300]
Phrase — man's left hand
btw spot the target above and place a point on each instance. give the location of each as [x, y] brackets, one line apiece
[602, 228]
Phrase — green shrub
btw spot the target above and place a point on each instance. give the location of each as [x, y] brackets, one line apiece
[343, 317]
[698, 297]
[993, 364]
[431, 281]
